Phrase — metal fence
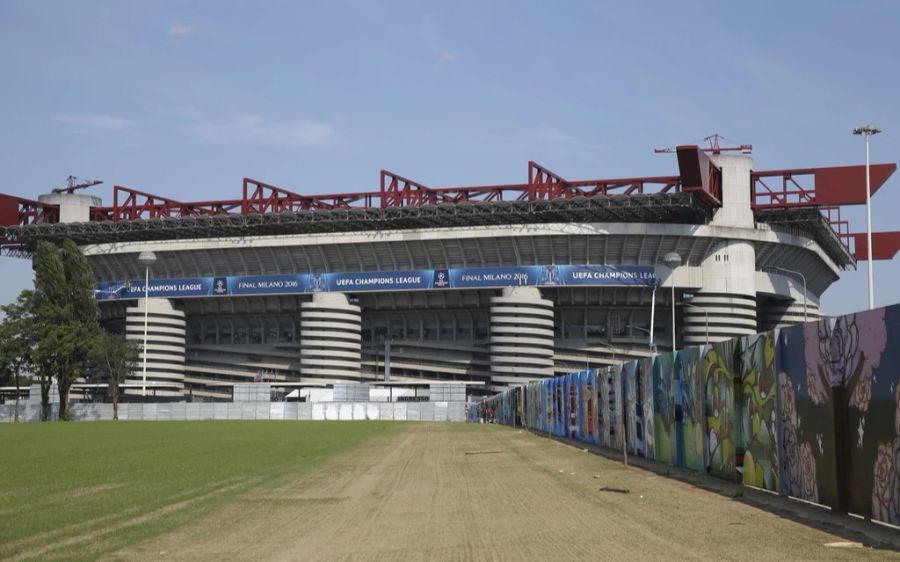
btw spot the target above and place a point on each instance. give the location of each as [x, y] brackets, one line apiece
[183, 411]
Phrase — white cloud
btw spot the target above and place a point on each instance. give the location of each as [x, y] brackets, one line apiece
[552, 135]
[179, 29]
[252, 129]
[88, 121]
[444, 58]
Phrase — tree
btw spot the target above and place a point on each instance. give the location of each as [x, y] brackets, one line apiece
[114, 359]
[51, 314]
[18, 339]
[84, 313]
[67, 319]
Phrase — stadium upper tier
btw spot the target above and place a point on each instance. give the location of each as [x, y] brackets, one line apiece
[498, 284]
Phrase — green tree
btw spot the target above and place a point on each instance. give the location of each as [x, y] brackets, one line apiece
[84, 314]
[67, 319]
[18, 339]
[51, 314]
[114, 358]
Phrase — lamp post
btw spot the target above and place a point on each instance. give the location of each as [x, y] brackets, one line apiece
[673, 260]
[803, 278]
[685, 303]
[147, 259]
[867, 131]
[653, 318]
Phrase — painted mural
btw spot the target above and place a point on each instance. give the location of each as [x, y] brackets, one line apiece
[663, 369]
[869, 370]
[645, 421]
[757, 410]
[604, 409]
[762, 409]
[807, 415]
[690, 429]
[718, 396]
[618, 422]
[629, 385]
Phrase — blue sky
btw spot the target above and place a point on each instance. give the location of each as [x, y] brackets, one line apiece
[186, 98]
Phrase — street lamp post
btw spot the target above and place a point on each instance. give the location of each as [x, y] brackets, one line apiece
[652, 319]
[867, 131]
[147, 259]
[706, 312]
[803, 278]
[673, 260]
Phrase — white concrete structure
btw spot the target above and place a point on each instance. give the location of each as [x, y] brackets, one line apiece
[521, 336]
[165, 345]
[330, 340]
[73, 207]
[495, 334]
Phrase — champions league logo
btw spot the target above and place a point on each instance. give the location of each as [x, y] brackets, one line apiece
[220, 286]
[316, 283]
[550, 276]
[441, 279]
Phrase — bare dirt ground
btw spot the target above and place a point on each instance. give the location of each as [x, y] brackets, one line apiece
[453, 491]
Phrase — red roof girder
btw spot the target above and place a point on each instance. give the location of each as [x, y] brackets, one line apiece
[885, 245]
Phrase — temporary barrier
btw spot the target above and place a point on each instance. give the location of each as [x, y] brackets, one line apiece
[810, 411]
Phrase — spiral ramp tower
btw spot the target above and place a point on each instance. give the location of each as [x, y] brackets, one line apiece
[330, 338]
[165, 348]
[522, 341]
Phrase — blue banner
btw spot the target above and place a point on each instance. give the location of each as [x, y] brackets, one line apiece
[369, 281]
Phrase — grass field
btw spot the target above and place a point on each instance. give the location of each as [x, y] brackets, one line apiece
[364, 490]
[118, 483]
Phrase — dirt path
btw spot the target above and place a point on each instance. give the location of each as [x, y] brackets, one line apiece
[451, 491]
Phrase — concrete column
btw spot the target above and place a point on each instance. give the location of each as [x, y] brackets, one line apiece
[330, 337]
[736, 209]
[165, 345]
[522, 342]
[728, 296]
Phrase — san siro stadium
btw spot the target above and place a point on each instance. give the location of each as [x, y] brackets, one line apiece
[494, 285]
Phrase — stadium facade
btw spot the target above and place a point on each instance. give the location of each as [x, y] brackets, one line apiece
[499, 284]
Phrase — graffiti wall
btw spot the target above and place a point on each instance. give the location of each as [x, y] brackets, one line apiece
[689, 414]
[719, 408]
[868, 368]
[757, 410]
[810, 411]
[663, 368]
[808, 456]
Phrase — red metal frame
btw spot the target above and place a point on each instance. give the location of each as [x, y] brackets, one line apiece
[20, 211]
[815, 187]
[699, 175]
[840, 225]
[885, 245]
[825, 189]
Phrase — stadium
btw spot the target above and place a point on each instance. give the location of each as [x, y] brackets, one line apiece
[496, 285]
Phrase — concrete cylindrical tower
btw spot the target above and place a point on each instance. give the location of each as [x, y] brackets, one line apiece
[165, 345]
[521, 336]
[330, 337]
[727, 300]
[72, 206]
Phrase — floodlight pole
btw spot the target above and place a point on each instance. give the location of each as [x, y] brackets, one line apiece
[146, 258]
[867, 131]
[673, 260]
[652, 319]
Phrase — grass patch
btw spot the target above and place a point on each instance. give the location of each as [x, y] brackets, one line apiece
[81, 490]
